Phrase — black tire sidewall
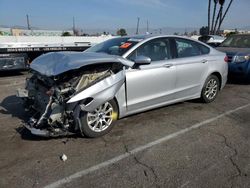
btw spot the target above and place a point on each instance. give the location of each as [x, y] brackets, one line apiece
[203, 96]
[90, 133]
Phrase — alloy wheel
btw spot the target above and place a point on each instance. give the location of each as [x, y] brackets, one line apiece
[211, 89]
[101, 118]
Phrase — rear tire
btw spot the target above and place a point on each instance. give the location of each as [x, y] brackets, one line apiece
[210, 89]
[100, 121]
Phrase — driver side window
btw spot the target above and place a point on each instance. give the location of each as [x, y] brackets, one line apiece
[156, 50]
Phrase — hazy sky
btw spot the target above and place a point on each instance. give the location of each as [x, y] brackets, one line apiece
[57, 14]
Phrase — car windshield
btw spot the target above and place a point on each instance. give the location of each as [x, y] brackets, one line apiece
[116, 46]
[237, 41]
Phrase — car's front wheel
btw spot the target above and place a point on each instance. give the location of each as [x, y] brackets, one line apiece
[100, 121]
[210, 89]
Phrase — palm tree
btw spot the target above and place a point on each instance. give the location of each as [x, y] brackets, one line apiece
[219, 15]
[209, 6]
[215, 6]
[223, 17]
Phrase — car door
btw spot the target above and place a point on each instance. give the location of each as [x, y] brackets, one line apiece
[151, 85]
[191, 65]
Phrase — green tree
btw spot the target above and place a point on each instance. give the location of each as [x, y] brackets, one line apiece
[121, 32]
[66, 33]
[204, 30]
[1, 33]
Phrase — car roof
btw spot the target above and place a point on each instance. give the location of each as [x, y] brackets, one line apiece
[148, 36]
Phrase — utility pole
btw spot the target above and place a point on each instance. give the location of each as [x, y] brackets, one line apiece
[28, 21]
[74, 27]
[137, 28]
[147, 27]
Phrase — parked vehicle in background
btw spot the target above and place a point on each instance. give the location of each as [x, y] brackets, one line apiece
[17, 52]
[212, 40]
[237, 48]
[87, 91]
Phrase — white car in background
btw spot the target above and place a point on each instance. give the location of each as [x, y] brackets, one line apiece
[212, 40]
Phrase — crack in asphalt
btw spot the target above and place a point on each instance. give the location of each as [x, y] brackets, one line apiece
[236, 117]
[231, 158]
[136, 160]
[35, 183]
[105, 141]
[243, 97]
[19, 131]
[143, 164]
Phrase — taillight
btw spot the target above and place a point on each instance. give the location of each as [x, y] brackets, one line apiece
[226, 59]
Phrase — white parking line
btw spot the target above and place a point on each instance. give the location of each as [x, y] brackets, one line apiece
[139, 149]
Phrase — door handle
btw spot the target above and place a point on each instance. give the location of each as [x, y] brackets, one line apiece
[168, 65]
[203, 61]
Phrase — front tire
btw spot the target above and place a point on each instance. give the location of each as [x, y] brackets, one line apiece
[100, 121]
[210, 89]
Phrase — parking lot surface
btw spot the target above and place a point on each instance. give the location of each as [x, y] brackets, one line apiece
[188, 144]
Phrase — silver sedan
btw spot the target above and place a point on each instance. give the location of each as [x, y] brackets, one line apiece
[87, 91]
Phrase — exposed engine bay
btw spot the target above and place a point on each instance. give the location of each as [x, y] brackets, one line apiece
[48, 99]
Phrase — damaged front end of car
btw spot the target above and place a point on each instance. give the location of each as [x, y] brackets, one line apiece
[56, 102]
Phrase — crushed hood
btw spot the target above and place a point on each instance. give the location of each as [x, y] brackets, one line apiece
[55, 63]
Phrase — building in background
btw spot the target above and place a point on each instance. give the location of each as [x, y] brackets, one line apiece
[33, 32]
[5, 31]
[240, 31]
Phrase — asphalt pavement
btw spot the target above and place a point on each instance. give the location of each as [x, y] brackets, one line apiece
[188, 144]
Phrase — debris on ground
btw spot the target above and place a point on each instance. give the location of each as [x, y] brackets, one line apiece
[63, 157]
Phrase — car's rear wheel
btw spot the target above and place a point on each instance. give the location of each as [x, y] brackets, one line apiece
[100, 121]
[210, 89]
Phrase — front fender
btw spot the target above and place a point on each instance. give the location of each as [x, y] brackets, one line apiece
[101, 92]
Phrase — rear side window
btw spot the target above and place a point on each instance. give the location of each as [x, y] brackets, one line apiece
[203, 49]
[156, 50]
[188, 48]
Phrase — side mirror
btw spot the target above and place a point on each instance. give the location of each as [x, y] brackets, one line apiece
[142, 60]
